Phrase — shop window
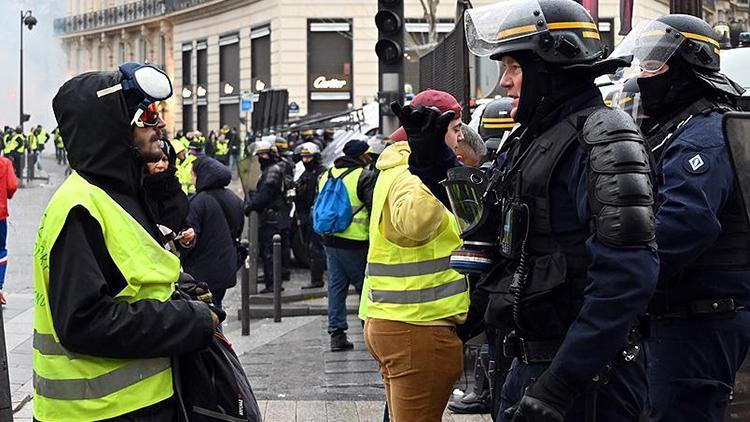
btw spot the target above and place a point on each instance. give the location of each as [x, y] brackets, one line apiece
[260, 58]
[229, 66]
[187, 117]
[329, 65]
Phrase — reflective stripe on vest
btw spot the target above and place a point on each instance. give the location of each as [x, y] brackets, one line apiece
[71, 386]
[413, 284]
[359, 228]
[429, 294]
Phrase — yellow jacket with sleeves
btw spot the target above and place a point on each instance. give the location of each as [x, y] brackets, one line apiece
[411, 217]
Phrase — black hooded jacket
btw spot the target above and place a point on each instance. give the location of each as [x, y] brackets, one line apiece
[213, 259]
[83, 277]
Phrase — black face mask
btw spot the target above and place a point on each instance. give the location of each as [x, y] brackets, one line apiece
[310, 165]
[665, 95]
[265, 162]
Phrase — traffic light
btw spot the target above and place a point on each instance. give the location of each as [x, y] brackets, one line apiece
[390, 23]
[390, 50]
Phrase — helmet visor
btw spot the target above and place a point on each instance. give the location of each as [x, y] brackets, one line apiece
[488, 27]
[630, 103]
[651, 44]
[465, 187]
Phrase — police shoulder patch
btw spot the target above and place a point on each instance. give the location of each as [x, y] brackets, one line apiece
[695, 164]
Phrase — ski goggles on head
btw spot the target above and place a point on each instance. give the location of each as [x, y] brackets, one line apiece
[147, 80]
[148, 117]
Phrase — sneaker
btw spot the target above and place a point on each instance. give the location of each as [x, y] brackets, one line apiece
[472, 404]
[339, 341]
[3, 301]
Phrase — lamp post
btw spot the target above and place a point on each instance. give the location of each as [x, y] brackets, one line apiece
[30, 21]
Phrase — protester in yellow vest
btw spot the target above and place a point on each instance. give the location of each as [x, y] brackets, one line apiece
[414, 299]
[105, 321]
[14, 149]
[346, 252]
[185, 160]
[221, 151]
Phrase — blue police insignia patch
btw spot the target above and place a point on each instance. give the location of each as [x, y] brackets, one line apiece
[695, 164]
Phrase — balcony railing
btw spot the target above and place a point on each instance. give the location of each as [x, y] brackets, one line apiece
[121, 15]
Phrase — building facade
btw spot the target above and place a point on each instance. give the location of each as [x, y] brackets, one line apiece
[321, 51]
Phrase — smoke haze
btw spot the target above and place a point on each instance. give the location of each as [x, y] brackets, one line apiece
[45, 64]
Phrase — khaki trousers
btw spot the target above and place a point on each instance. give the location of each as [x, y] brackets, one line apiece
[419, 364]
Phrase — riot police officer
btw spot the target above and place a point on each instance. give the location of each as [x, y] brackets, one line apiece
[571, 198]
[270, 203]
[698, 334]
[306, 189]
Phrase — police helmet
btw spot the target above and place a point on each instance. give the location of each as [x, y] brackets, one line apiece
[264, 146]
[654, 43]
[281, 143]
[309, 149]
[559, 32]
[496, 119]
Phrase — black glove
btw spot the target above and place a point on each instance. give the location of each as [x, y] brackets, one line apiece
[219, 312]
[195, 290]
[425, 128]
[547, 400]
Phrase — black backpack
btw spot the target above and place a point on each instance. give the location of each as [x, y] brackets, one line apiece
[213, 386]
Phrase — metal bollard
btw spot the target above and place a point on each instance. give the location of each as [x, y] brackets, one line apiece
[276, 278]
[249, 270]
[252, 237]
[245, 292]
[6, 405]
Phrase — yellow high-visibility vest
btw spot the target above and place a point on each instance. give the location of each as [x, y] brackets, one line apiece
[185, 173]
[412, 284]
[75, 387]
[359, 229]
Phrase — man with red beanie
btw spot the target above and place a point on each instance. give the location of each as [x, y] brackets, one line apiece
[8, 186]
[414, 300]
[423, 163]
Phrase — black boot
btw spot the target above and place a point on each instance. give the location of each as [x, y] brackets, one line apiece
[472, 404]
[339, 341]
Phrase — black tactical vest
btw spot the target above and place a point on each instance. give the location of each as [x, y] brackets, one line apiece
[557, 265]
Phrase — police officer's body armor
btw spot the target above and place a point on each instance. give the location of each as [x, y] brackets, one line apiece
[620, 198]
[277, 213]
[731, 250]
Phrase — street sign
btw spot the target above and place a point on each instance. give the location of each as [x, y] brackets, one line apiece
[246, 101]
[293, 108]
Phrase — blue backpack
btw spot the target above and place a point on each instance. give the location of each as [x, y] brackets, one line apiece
[332, 212]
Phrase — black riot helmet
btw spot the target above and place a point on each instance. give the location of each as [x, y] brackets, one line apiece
[496, 120]
[559, 32]
[700, 47]
[555, 42]
[685, 42]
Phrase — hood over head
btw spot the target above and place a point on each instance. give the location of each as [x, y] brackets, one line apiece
[394, 155]
[97, 133]
[210, 174]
